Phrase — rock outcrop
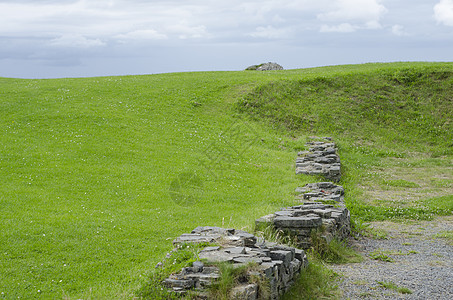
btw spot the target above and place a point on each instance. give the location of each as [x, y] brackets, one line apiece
[270, 66]
[277, 264]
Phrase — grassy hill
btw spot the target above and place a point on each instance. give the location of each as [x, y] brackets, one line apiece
[100, 174]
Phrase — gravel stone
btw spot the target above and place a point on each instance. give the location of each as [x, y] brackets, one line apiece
[422, 263]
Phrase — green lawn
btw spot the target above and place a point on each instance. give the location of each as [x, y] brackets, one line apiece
[99, 175]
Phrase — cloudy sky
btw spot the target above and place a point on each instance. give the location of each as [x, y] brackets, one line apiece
[74, 38]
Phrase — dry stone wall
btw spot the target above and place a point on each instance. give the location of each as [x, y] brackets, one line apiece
[321, 209]
[300, 221]
[276, 264]
[321, 159]
[321, 191]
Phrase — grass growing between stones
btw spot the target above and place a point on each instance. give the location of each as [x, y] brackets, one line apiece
[232, 276]
[392, 286]
[183, 257]
[271, 234]
[448, 235]
[334, 251]
[381, 255]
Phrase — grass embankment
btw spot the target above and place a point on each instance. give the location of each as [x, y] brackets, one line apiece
[394, 127]
[100, 174]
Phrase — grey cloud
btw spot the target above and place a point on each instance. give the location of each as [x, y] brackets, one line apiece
[89, 35]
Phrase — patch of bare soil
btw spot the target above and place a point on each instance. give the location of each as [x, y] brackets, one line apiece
[427, 182]
[415, 257]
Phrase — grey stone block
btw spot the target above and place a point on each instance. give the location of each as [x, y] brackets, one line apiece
[285, 256]
[198, 266]
[245, 292]
[247, 259]
[300, 254]
[297, 222]
[284, 213]
[179, 283]
[235, 250]
[323, 213]
[216, 256]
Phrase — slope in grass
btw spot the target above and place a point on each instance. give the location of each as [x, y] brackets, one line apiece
[376, 115]
[405, 106]
[97, 176]
[100, 174]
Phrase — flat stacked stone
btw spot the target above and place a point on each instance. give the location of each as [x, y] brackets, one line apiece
[300, 221]
[321, 159]
[321, 192]
[278, 264]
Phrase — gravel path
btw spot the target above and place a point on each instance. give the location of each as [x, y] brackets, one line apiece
[422, 262]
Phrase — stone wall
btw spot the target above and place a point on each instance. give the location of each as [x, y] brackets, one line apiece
[321, 209]
[300, 222]
[321, 159]
[276, 264]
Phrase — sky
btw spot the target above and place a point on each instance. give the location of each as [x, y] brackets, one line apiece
[82, 38]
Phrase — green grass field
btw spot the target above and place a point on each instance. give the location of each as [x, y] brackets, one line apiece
[99, 175]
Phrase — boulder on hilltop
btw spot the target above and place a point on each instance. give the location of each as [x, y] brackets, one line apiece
[270, 66]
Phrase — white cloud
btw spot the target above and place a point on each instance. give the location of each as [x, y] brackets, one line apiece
[178, 19]
[359, 10]
[50, 17]
[352, 15]
[103, 19]
[76, 41]
[443, 12]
